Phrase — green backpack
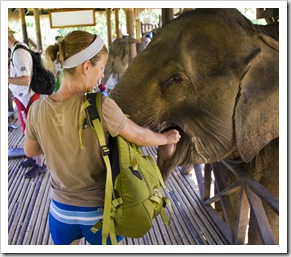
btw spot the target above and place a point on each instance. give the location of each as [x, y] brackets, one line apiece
[133, 191]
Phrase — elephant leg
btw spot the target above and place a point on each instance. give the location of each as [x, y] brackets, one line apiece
[266, 170]
[271, 182]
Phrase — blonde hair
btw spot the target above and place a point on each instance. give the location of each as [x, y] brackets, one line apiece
[68, 46]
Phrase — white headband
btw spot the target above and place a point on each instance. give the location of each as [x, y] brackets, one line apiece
[84, 55]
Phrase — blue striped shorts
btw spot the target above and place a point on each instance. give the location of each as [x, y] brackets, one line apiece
[68, 223]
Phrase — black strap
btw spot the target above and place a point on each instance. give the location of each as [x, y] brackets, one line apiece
[92, 109]
[18, 46]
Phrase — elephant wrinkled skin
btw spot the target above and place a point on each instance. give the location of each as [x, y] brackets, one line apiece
[210, 74]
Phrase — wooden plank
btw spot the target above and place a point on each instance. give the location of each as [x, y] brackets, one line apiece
[30, 216]
[17, 192]
[243, 218]
[37, 211]
[20, 211]
[162, 227]
[260, 190]
[203, 189]
[184, 232]
[209, 217]
[207, 181]
[225, 203]
[44, 209]
[261, 218]
[128, 241]
[14, 223]
[189, 224]
[19, 230]
[200, 219]
[157, 233]
[45, 239]
[180, 232]
[188, 213]
[220, 225]
[224, 192]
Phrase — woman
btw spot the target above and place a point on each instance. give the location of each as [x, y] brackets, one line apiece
[78, 175]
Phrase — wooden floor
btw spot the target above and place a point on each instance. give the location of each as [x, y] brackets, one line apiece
[28, 202]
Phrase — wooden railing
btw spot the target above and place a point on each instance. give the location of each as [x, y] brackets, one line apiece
[145, 27]
[214, 193]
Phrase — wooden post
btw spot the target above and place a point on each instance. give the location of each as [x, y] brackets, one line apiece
[38, 29]
[138, 31]
[130, 30]
[23, 25]
[108, 20]
[117, 30]
[167, 15]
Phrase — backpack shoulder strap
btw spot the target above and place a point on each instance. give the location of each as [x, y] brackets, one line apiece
[95, 118]
[18, 46]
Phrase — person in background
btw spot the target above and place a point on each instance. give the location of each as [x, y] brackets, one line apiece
[19, 77]
[78, 173]
[57, 70]
[102, 89]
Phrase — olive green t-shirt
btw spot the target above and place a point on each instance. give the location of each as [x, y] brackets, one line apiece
[77, 175]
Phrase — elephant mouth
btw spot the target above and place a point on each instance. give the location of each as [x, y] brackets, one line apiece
[169, 156]
[166, 152]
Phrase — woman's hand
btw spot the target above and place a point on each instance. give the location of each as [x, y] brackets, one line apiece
[173, 136]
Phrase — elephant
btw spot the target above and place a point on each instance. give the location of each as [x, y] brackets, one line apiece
[211, 74]
[119, 57]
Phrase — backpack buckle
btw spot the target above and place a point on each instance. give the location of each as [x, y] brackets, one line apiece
[105, 150]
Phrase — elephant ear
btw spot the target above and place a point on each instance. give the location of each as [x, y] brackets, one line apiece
[257, 109]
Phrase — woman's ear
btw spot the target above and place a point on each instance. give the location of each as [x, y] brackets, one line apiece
[86, 67]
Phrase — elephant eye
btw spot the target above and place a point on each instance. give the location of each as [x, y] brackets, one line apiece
[177, 78]
[174, 79]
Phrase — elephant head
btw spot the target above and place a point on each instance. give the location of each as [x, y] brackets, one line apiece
[119, 56]
[210, 75]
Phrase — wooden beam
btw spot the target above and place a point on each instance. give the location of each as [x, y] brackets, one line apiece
[242, 218]
[225, 192]
[167, 15]
[117, 30]
[23, 25]
[201, 182]
[108, 20]
[260, 216]
[130, 30]
[138, 31]
[38, 29]
[258, 188]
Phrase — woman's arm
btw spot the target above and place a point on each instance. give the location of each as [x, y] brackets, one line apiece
[32, 148]
[142, 136]
[20, 81]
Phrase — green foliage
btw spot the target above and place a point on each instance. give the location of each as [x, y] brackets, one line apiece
[150, 16]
